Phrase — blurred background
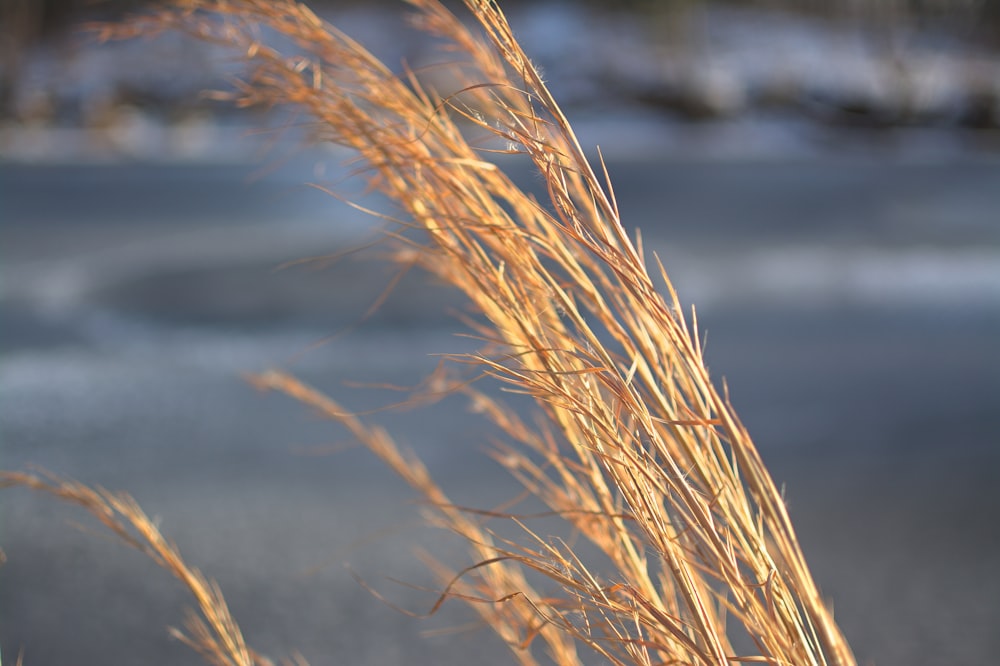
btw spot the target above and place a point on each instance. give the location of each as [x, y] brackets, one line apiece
[821, 179]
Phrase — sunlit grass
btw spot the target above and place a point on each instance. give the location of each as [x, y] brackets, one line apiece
[631, 444]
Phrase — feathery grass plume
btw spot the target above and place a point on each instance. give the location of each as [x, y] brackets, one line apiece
[636, 450]
[213, 634]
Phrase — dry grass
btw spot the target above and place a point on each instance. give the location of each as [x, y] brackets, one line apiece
[635, 448]
[212, 632]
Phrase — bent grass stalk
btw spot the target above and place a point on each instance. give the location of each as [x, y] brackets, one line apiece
[211, 632]
[636, 449]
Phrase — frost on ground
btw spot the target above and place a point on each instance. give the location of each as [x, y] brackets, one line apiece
[708, 82]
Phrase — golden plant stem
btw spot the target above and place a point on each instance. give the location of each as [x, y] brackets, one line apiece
[632, 444]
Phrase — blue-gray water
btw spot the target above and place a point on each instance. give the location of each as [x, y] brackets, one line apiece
[852, 306]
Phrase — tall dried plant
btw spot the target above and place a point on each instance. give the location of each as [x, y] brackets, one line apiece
[636, 449]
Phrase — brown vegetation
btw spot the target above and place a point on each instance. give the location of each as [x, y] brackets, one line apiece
[634, 447]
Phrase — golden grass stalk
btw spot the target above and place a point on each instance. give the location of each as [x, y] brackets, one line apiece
[213, 633]
[636, 449]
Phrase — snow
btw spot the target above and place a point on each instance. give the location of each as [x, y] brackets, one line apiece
[763, 83]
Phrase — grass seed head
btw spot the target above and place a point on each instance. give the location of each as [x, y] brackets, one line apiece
[633, 446]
